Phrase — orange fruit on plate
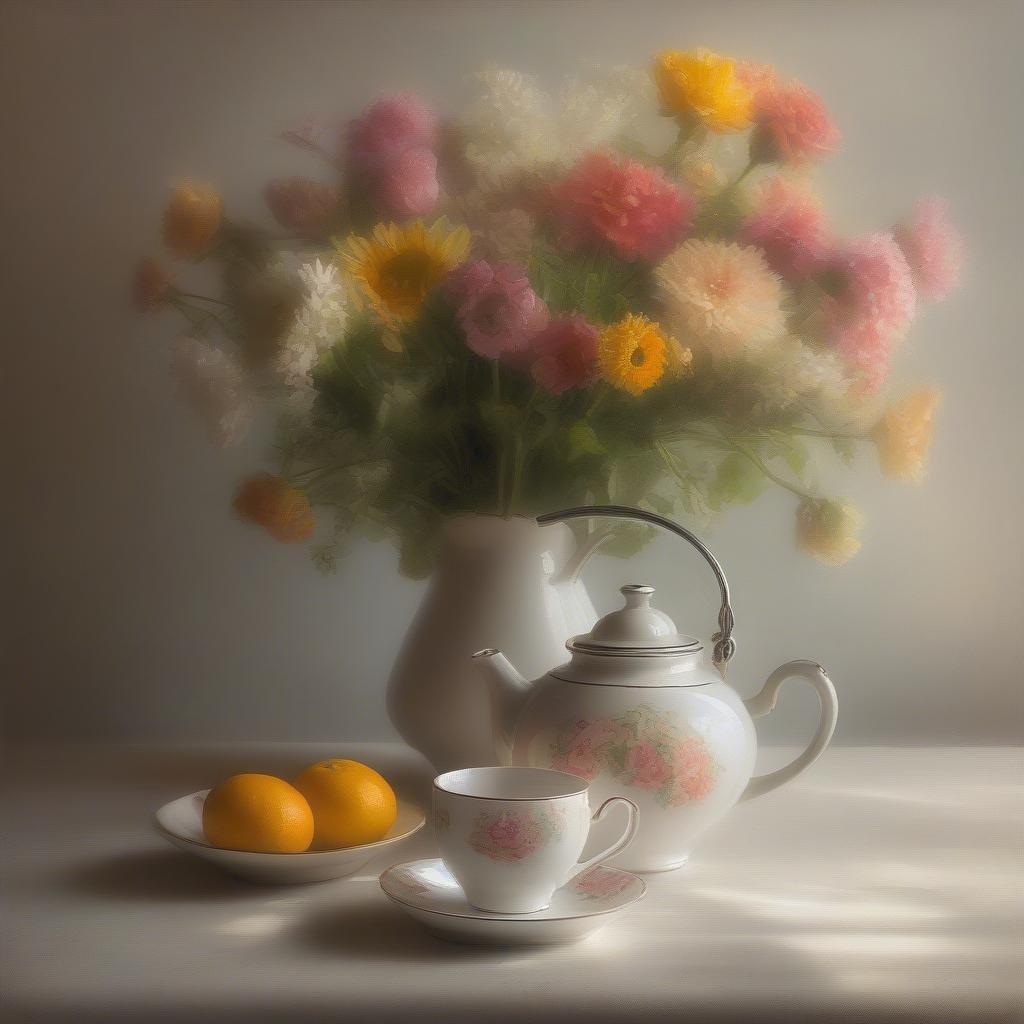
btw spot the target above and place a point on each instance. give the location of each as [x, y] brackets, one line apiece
[258, 814]
[352, 804]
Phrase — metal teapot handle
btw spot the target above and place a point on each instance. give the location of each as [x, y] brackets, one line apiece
[725, 646]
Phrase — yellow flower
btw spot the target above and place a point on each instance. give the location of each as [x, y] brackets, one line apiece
[826, 529]
[399, 264]
[632, 354]
[702, 85]
[192, 218]
[904, 434]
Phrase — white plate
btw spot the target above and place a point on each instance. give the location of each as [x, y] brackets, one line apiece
[181, 822]
[428, 893]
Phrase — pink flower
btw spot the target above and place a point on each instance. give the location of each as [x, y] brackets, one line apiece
[874, 306]
[693, 770]
[933, 248]
[497, 308]
[506, 832]
[789, 225]
[389, 127]
[566, 354]
[601, 882]
[633, 208]
[646, 766]
[579, 760]
[301, 205]
[507, 837]
[793, 125]
[407, 185]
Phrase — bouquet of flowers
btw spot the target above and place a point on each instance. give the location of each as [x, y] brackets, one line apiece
[625, 292]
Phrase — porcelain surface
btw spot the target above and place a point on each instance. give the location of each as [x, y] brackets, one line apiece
[513, 836]
[506, 582]
[180, 822]
[638, 713]
[428, 892]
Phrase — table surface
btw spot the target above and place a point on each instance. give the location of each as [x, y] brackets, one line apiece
[883, 884]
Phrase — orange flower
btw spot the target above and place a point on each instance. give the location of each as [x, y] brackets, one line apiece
[270, 501]
[904, 434]
[151, 284]
[192, 218]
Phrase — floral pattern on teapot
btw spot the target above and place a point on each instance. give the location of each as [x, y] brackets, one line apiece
[514, 835]
[641, 747]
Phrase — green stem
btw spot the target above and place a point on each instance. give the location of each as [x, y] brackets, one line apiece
[747, 453]
[317, 473]
[202, 298]
[830, 434]
[751, 164]
[502, 459]
[204, 315]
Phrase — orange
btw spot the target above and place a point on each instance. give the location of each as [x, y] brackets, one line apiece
[258, 813]
[351, 803]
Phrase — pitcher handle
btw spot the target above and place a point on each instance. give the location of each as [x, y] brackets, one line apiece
[570, 572]
[619, 845]
[765, 701]
[725, 645]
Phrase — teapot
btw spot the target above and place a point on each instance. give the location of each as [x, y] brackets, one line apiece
[639, 713]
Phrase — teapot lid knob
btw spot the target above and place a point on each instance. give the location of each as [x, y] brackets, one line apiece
[637, 595]
[725, 645]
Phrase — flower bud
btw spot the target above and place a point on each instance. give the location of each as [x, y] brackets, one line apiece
[271, 502]
[826, 528]
[192, 219]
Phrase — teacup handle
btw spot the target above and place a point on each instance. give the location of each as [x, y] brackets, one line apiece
[620, 844]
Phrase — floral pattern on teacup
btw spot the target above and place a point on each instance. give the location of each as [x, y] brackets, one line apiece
[514, 835]
[601, 884]
[642, 747]
[442, 820]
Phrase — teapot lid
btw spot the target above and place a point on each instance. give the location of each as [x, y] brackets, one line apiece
[635, 630]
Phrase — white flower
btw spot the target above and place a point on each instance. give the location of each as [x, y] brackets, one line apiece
[514, 126]
[319, 324]
[215, 386]
[596, 110]
[510, 127]
[723, 296]
[795, 369]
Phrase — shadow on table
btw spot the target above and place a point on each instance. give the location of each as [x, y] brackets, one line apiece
[153, 876]
[378, 932]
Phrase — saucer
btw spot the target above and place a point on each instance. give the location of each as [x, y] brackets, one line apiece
[181, 823]
[428, 893]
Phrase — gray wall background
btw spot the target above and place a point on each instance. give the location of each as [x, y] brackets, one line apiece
[138, 609]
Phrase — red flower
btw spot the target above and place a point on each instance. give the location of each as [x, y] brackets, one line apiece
[633, 208]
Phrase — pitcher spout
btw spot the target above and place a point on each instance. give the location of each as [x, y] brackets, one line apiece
[509, 690]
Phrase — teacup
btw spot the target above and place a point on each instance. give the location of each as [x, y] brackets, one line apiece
[512, 836]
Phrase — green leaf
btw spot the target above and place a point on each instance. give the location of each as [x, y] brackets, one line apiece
[737, 481]
[795, 454]
[845, 449]
[583, 440]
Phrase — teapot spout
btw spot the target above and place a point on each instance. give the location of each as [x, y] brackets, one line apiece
[508, 693]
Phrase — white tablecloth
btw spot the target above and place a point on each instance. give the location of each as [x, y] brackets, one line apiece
[883, 885]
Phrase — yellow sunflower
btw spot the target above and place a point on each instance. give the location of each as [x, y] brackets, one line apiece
[633, 353]
[399, 264]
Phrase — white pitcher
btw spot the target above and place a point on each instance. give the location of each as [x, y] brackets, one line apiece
[504, 581]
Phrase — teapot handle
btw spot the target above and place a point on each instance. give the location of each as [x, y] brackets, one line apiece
[764, 702]
[725, 646]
